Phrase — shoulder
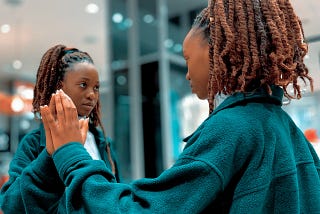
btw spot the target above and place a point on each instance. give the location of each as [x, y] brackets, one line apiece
[32, 135]
[231, 122]
[237, 129]
[248, 118]
[30, 146]
[31, 139]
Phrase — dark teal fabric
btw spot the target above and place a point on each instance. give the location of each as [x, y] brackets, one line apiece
[32, 159]
[248, 156]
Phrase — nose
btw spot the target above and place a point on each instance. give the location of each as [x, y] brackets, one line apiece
[91, 95]
[187, 75]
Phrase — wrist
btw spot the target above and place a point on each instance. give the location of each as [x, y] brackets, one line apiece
[67, 156]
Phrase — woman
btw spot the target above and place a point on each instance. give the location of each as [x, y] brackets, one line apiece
[248, 156]
[73, 71]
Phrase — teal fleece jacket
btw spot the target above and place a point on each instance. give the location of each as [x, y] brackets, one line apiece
[248, 156]
[32, 159]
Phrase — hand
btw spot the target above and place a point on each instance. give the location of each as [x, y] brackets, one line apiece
[64, 127]
[52, 108]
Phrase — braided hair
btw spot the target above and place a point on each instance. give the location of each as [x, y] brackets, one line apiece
[53, 66]
[253, 44]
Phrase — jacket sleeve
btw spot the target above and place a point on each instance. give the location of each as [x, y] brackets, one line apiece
[114, 157]
[187, 187]
[27, 166]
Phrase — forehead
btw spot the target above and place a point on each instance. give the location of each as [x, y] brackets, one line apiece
[83, 70]
[193, 39]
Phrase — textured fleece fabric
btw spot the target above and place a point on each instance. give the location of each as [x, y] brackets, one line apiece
[32, 159]
[248, 156]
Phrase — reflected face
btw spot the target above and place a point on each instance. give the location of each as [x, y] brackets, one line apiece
[196, 54]
[81, 84]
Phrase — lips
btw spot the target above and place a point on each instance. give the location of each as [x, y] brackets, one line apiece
[88, 105]
[85, 109]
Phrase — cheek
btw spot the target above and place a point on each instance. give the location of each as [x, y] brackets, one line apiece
[203, 70]
[204, 82]
[73, 96]
[205, 66]
[66, 90]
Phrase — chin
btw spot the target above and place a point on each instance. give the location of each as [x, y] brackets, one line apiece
[201, 97]
[83, 115]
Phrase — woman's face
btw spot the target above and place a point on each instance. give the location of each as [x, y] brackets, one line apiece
[196, 54]
[81, 84]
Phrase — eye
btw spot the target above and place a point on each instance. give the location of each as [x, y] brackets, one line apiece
[83, 85]
[97, 87]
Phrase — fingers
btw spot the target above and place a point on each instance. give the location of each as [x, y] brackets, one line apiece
[69, 107]
[52, 105]
[59, 107]
[66, 110]
[63, 127]
[47, 117]
[45, 113]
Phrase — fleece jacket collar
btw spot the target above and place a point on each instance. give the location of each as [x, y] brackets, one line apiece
[239, 98]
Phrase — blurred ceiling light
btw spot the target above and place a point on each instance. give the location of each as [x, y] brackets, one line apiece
[92, 8]
[5, 28]
[148, 18]
[117, 18]
[25, 92]
[17, 104]
[121, 80]
[17, 64]
[118, 64]
[177, 48]
[168, 43]
[128, 23]
[25, 124]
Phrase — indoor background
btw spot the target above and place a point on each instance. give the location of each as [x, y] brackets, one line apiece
[137, 47]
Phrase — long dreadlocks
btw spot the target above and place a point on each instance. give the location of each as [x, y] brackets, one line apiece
[253, 44]
[53, 66]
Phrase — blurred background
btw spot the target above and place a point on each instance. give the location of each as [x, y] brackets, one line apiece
[137, 46]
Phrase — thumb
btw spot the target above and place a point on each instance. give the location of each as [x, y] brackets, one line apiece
[45, 111]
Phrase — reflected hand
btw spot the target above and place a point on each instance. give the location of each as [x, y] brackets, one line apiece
[64, 127]
[52, 108]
